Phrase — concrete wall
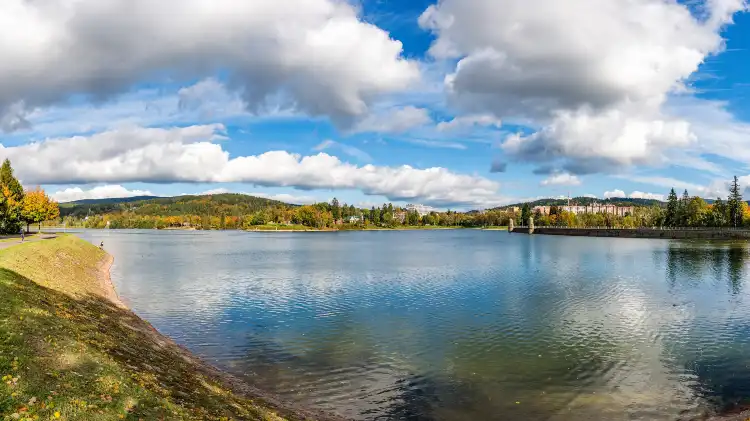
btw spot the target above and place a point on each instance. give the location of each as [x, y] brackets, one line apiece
[700, 234]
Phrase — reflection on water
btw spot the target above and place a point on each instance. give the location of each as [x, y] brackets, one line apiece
[454, 325]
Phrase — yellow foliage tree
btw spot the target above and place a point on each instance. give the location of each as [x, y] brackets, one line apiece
[37, 207]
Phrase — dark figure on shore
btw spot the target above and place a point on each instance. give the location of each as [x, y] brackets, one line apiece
[101, 245]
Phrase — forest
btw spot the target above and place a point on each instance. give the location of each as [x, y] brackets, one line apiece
[238, 211]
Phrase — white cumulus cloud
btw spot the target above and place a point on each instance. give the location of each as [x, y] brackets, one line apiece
[194, 154]
[642, 195]
[99, 192]
[593, 84]
[561, 179]
[614, 194]
[317, 53]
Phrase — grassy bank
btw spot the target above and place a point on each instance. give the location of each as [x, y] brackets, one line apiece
[69, 353]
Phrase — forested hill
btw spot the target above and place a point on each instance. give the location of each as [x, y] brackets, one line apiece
[584, 201]
[217, 204]
[112, 200]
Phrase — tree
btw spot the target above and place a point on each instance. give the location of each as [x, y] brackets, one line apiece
[412, 218]
[372, 215]
[696, 212]
[717, 217]
[671, 218]
[525, 214]
[735, 204]
[335, 209]
[12, 200]
[37, 207]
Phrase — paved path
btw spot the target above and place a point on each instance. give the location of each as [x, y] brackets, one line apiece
[16, 240]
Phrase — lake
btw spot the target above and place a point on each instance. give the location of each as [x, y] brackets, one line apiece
[453, 325]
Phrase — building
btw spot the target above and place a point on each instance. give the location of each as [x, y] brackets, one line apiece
[422, 210]
[593, 208]
[399, 216]
[354, 219]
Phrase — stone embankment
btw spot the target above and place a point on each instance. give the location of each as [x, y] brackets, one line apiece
[677, 233]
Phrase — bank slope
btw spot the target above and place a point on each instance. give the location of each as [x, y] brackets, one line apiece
[68, 352]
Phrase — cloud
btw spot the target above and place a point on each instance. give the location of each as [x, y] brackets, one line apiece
[592, 84]
[430, 143]
[642, 195]
[317, 54]
[352, 151]
[666, 182]
[634, 195]
[561, 179]
[498, 166]
[596, 142]
[99, 192]
[591, 196]
[614, 194]
[395, 120]
[288, 198]
[192, 154]
[469, 121]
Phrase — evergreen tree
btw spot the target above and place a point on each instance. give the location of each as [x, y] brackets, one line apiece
[525, 214]
[671, 218]
[12, 200]
[372, 215]
[335, 209]
[735, 204]
[683, 217]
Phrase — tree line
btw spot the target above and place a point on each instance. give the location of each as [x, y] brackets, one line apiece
[20, 207]
[684, 211]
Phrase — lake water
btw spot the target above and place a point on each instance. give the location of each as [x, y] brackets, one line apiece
[454, 325]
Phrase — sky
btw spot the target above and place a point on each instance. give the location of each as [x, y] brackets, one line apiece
[455, 104]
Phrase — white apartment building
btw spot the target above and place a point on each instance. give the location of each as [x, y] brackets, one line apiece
[422, 210]
[593, 208]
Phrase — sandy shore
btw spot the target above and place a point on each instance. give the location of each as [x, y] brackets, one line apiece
[105, 281]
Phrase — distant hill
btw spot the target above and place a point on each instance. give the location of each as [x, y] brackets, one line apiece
[227, 203]
[109, 200]
[584, 201]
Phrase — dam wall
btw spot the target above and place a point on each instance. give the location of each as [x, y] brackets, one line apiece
[677, 233]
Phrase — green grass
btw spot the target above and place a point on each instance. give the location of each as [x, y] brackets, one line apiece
[68, 353]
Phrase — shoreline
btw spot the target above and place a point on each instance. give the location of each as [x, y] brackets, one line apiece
[644, 233]
[286, 409]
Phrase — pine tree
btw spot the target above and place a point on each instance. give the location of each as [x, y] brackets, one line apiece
[12, 200]
[335, 209]
[735, 204]
[673, 206]
[682, 219]
[525, 214]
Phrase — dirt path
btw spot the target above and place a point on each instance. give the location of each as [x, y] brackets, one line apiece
[14, 241]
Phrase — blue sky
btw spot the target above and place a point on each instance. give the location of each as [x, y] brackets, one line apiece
[377, 100]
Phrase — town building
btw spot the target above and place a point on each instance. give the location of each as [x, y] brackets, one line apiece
[422, 210]
[593, 208]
